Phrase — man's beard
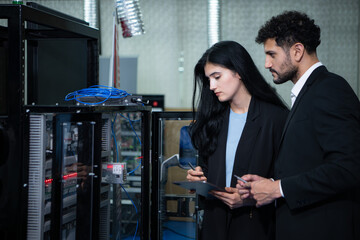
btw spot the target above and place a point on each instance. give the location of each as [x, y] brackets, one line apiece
[289, 74]
[286, 76]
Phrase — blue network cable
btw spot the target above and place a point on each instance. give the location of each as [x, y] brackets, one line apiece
[100, 92]
[132, 127]
[132, 171]
[117, 159]
[137, 136]
[137, 222]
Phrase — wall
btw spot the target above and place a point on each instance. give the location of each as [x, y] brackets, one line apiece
[176, 36]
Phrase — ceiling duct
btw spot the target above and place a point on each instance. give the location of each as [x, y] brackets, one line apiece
[91, 13]
[128, 15]
[213, 22]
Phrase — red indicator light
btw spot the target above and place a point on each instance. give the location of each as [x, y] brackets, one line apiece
[155, 103]
[48, 181]
[71, 175]
[110, 166]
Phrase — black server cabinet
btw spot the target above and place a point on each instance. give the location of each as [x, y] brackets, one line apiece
[174, 211]
[26, 34]
[68, 151]
[64, 159]
[50, 150]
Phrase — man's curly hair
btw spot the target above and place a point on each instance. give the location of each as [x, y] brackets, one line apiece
[289, 28]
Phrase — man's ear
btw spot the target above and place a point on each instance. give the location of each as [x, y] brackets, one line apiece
[298, 51]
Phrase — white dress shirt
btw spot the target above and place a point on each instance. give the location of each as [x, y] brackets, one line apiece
[301, 82]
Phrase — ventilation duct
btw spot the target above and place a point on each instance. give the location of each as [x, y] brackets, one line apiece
[91, 13]
[128, 15]
[213, 22]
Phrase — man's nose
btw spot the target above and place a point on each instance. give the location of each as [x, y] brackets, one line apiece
[268, 63]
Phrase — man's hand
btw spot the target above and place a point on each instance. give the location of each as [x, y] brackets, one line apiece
[262, 190]
[244, 188]
[232, 198]
[265, 191]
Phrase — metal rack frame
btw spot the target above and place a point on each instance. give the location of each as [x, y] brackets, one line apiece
[155, 156]
[13, 171]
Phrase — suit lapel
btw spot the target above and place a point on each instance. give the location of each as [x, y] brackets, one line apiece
[314, 75]
[219, 157]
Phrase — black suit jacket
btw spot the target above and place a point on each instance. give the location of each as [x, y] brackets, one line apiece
[319, 162]
[255, 154]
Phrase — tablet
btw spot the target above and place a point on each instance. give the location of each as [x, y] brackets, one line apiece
[201, 187]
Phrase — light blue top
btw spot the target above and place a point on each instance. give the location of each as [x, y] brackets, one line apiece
[236, 126]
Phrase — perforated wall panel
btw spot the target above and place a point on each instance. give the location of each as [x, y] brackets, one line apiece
[176, 36]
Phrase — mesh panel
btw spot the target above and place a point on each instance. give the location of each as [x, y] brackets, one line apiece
[36, 176]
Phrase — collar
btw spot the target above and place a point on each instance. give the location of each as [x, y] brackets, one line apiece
[301, 82]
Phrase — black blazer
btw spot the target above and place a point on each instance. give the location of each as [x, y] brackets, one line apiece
[319, 163]
[255, 154]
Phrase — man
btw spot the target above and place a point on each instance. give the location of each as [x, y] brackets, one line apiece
[317, 171]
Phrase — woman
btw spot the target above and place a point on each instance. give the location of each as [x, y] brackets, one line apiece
[237, 129]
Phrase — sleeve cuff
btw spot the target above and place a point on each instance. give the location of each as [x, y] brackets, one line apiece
[281, 191]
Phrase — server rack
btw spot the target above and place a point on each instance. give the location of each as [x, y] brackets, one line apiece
[174, 211]
[44, 144]
[67, 150]
[18, 84]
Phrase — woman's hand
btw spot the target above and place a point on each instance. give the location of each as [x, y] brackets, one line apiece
[232, 198]
[195, 175]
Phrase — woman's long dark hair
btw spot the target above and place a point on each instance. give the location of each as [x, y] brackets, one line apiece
[209, 114]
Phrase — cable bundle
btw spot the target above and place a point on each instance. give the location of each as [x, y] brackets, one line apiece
[99, 92]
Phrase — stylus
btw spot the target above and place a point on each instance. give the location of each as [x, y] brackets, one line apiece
[239, 178]
[192, 167]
